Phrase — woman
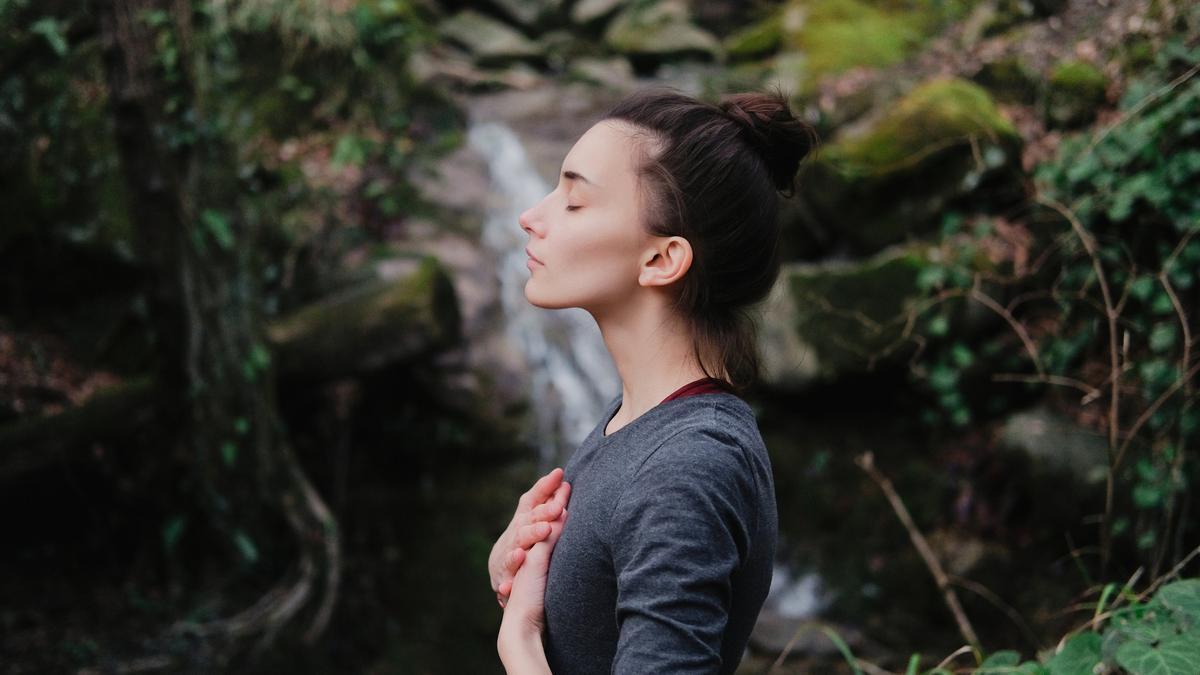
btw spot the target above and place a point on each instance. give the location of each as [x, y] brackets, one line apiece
[664, 227]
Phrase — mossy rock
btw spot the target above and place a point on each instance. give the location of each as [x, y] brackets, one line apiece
[1008, 80]
[837, 35]
[406, 308]
[836, 318]
[490, 42]
[943, 142]
[756, 40]
[1074, 90]
[654, 31]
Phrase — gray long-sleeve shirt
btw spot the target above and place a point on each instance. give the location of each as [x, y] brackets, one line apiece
[665, 558]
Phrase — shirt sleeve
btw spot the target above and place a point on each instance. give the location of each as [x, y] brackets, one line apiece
[681, 528]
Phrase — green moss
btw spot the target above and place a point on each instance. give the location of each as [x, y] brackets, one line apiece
[935, 114]
[1073, 91]
[1080, 77]
[836, 35]
[758, 39]
[849, 312]
[1008, 80]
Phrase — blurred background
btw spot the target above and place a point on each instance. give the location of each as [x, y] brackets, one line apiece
[269, 387]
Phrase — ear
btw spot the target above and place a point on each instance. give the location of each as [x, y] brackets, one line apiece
[668, 259]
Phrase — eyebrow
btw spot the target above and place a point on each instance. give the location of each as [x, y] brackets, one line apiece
[571, 175]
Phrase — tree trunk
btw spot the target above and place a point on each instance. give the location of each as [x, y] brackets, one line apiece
[215, 374]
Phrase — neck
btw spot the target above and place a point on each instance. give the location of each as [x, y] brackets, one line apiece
[653, 353]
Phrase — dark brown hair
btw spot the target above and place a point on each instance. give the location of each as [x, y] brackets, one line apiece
[712, 174]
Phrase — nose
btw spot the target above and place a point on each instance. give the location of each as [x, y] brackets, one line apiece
[526, 220]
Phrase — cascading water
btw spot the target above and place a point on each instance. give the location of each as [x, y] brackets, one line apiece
[573, 377]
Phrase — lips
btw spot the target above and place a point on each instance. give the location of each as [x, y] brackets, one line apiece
[533, 257]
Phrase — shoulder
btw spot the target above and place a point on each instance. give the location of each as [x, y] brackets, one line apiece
[718, 431]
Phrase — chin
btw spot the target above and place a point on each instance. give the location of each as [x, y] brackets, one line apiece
[539, 300]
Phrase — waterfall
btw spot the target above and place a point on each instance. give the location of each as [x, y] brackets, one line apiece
[572, 375]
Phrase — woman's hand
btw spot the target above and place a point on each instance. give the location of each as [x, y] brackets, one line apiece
[537, 508]
[520, 639]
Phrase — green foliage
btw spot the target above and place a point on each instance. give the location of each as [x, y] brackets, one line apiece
[1124, 200]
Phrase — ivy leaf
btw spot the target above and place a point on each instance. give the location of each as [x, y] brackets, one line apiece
[172, 531]
[1182, 596]
[218, 226]
[229, 453]
[1078, 657]
[1162, 337]
[49, 28]
[1175, 655]
[1000, 662]
[245, 546]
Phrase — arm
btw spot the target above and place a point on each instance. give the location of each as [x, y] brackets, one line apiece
[680, 530]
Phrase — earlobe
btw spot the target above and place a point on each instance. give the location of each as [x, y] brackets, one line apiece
[670, 261]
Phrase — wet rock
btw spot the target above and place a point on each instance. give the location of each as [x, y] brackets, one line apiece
[490, 42]
[652, 32]
[892, 178]
[1074, 90]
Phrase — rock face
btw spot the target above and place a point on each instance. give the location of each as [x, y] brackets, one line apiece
[1073, 93]
[943, 142]
[490, 42]
[650, 32]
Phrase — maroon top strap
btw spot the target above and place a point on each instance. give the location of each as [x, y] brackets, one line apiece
[705, 385]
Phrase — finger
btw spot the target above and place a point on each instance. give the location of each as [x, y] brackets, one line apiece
[531, 534]
[546, 512]
[514, 559]
[505, 589]
[563, 494]
[542, 489]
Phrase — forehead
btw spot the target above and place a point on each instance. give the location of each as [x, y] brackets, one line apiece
[605, 154]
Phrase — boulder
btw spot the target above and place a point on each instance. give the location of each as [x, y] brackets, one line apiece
[893, 178]
[490, 42]
[1073, 92]
[827, 319]
[660, 30]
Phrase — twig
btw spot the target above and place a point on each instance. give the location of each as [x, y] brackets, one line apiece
[866, 462]
[1169, 575]
[987, 594]
[1110, 316]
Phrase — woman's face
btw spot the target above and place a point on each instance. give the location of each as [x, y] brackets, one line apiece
[587, 233]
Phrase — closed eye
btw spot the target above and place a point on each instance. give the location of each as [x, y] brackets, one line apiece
[573, 208]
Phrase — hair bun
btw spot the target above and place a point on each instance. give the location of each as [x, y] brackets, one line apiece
[782, 140]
